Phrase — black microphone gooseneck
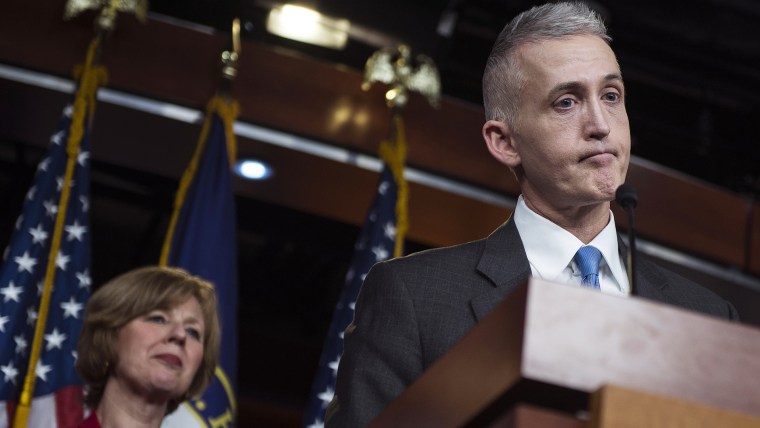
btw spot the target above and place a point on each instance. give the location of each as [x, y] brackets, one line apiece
[626, 197]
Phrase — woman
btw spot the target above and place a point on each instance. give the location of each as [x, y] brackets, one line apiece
[150, 340]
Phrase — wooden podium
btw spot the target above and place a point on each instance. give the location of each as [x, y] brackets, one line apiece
[550, 352]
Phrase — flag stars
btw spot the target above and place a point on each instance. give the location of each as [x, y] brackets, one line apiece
[75, 231]
[3, 320]
[71, 308]
[9, 373]
[21, 344]
[83, 157]
[31, 192]
[31, 316]
[51, 208]
[61, 260]
[326, 396]
[317, 424]
[59, 183]
[11, 292]
[25, 262]
[42, 370]
[57, 138]
[333, 365]
[85, 203]
[84, 279]
[390, 230]
[380, 253]
[383, 187]
[43, 165]
[54, 340]
[39, 235]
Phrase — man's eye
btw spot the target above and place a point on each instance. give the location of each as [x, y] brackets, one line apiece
[612, 96]
[565, 103]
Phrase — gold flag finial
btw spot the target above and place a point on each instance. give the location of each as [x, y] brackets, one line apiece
[109, 8]
[395, 68]
[230, 57]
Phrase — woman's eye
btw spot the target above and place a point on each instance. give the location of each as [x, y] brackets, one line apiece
[194, 333]
[156, 318]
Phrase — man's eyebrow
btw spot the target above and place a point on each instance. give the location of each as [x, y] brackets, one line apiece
[575, 85]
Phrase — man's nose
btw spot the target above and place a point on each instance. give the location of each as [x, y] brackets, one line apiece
[597, 120]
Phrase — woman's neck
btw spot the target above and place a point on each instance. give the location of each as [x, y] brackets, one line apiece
[121, 408]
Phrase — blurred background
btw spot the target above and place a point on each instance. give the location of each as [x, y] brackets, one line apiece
[693, 98]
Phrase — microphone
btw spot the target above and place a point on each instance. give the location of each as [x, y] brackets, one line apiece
[626, 197]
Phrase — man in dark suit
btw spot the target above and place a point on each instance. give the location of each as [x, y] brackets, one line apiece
[555, 116]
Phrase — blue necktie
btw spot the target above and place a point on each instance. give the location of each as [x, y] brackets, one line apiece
[587, 258]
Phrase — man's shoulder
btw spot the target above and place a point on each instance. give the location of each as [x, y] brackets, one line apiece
[468, 250]
[681, 291]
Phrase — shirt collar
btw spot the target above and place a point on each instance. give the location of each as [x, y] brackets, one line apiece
[550, 248]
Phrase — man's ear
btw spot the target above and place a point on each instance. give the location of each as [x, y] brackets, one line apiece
[501, 143]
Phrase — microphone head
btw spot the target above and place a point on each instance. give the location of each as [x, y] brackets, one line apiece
[626, 195]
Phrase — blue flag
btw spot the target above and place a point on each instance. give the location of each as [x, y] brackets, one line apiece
[57, 390]
[376, 243]
[202, 240]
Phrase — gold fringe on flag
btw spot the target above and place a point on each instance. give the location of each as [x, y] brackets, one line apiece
[394, 154]
[228, 111]
[92, 76]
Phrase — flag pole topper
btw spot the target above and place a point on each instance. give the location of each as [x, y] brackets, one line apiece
[395, 68]
[230, 58]
[106, 20]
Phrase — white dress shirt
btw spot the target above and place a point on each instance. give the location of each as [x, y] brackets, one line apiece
[550, 250]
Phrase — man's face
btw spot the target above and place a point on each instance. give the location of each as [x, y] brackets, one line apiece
[571, 134]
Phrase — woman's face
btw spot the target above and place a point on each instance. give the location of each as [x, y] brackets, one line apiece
[159, 353]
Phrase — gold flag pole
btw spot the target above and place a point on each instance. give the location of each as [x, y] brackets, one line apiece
[395, 68]
[228, 110]
[90, 77]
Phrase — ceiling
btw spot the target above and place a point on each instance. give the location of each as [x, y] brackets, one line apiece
[691, 71]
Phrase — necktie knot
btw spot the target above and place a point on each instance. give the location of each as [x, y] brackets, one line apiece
[587, 258]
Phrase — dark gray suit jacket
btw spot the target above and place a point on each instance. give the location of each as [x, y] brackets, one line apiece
[411, 310]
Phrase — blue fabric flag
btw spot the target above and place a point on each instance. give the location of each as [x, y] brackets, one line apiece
[376, 243]
[203, 242]
[57, 395]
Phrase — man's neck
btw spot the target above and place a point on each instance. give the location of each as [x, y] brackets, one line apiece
[584, 222]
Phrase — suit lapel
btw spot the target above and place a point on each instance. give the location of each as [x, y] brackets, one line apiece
[504, 263]
[650, 284]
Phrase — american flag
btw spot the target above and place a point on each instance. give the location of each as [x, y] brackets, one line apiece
[57, 389]
[202, 240]
[377, 241]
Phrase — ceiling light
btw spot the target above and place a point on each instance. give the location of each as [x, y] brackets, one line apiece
[252, 169]
[308, 26]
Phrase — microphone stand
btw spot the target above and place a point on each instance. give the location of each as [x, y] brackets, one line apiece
[626, 197]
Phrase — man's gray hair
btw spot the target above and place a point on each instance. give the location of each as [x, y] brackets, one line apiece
[503, 79]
